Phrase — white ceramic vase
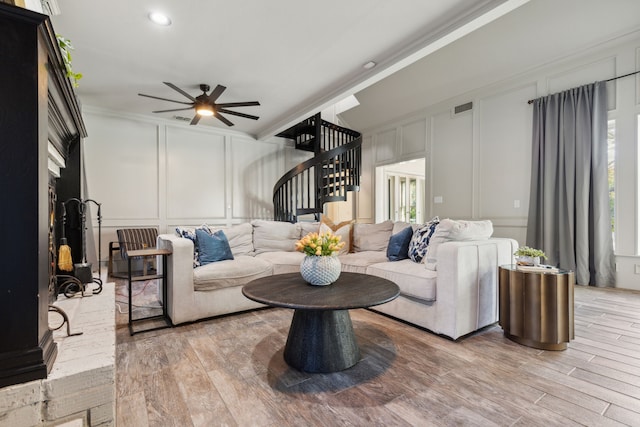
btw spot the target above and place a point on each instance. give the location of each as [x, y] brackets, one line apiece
[528, 260]
[320, 270]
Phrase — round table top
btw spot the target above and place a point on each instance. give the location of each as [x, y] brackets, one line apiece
[351, 290]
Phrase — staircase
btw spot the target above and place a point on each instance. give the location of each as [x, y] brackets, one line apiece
[326, 177]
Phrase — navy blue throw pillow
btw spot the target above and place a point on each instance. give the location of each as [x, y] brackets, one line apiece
[212, 247]
[398, 247]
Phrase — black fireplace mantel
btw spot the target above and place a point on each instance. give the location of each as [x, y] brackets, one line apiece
[37, 105]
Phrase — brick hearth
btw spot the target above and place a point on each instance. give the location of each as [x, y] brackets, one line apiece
[80, 390]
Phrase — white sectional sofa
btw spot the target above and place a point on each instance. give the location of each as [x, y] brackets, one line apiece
[455, 298]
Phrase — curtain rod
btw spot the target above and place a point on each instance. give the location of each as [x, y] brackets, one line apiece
[608, 80]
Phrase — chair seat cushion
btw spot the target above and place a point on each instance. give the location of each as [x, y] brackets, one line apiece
[224, 274]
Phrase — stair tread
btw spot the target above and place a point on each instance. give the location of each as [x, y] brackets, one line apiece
[335, 177]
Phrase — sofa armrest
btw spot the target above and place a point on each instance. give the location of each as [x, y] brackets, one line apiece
[467, 287]
[179, 276]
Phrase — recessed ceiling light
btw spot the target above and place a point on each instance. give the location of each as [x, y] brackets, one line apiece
[159, 18]
[369, 65]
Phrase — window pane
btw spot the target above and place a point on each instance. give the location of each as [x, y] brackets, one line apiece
[412, 200]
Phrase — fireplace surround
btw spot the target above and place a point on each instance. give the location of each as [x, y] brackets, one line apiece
[38, 110]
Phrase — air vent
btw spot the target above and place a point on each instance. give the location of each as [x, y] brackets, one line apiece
[462, 108]
[182, 118]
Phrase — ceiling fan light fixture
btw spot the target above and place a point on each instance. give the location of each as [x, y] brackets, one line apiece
[160, 18]
[204, 110]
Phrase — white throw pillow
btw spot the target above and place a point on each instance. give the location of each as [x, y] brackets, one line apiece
[240, 238]
[372, 237]
[450, 230]
[272, 236]
[343, 229]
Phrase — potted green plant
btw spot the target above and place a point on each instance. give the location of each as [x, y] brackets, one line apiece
[65, 49]
[529, 256]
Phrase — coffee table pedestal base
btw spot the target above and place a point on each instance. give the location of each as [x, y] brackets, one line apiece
[321, 341]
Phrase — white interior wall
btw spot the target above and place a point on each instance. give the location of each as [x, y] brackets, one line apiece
[478, 162]
[154, 173]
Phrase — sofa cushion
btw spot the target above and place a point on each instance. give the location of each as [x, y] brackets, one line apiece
[413, 279]
[283, 262]
[212, 247]
[224, 274]
[398, 226]
[240, 238]
[190, 233]
[450, 230]
[358, 262]
[344, 230]
[271, 236]
[308, 227]
[398, 247]
[371, 237]
[420, 240]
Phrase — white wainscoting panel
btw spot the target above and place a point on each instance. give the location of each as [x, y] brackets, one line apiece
[195, 174]
[414, 139]
[504, 131]
[386, 142]
[121, 157]
[365, 197]
[255, 167]
[452, 165]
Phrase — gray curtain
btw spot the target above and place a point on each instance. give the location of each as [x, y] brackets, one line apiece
[569, 215]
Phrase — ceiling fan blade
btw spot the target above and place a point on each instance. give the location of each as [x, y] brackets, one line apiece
[216, 93]
[165, 99]
[223, 119]
[238, 104]
[166, 111]
[195, 120]
[235, 113]
[177, 89]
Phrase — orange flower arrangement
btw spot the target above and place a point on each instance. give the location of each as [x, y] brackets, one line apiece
[316, 244]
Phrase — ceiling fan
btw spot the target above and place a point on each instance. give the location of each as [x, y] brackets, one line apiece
[205, 105]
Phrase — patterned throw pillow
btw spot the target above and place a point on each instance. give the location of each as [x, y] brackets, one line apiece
[190, 233]
[420, 240]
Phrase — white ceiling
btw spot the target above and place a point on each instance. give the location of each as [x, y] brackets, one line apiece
[295, 57]
[528, 38]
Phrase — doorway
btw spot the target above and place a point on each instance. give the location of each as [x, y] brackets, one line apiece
[400, 191]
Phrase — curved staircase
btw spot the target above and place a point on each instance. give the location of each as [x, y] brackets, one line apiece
[326, 177]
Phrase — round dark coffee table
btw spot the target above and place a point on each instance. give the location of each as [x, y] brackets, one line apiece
[321, 337]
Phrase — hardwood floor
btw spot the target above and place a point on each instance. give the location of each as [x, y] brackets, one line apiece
[230, 371]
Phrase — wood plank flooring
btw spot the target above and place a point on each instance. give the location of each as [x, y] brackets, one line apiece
[230, 372]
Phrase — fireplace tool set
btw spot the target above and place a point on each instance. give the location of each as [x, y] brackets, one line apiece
[80, 274]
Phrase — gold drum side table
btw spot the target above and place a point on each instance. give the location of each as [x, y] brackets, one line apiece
[536, 307]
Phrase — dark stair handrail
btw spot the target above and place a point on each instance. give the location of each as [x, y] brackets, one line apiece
[326, 177]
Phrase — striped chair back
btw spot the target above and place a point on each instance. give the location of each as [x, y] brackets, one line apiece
[132, 239]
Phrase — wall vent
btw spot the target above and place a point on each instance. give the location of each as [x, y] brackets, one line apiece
[462, 108]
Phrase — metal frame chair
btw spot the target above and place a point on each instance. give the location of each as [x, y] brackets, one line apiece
[130, 239]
